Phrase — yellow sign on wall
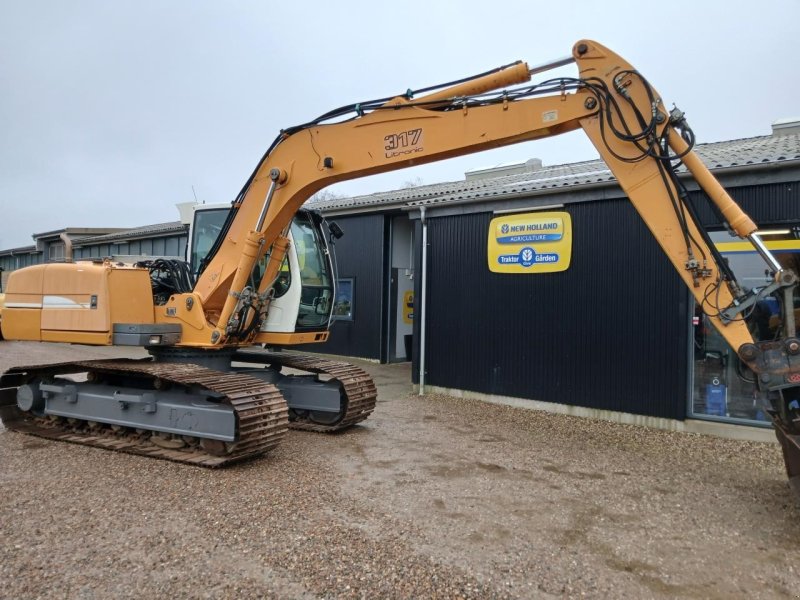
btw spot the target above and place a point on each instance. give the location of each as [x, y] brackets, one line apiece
[408, 307]
[539, 242]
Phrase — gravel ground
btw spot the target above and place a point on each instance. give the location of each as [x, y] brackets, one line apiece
[430, 498]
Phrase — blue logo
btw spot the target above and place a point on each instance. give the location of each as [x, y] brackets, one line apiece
[504, 228]
[527, 256]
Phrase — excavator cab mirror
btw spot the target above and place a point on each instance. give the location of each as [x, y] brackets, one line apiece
[336, 231]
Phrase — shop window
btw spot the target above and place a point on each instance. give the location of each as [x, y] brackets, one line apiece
[719, 391]
[57, 252]
[343, 307]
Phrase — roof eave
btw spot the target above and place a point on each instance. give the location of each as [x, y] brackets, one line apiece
[722, 172]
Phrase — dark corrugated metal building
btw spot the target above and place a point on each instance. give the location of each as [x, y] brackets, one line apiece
[361, 256]
[613, 332]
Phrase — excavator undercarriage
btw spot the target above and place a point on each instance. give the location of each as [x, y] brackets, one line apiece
[177, 409]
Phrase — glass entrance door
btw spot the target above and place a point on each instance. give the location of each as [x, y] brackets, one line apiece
[719, 390]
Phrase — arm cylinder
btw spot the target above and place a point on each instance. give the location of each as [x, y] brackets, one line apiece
[734, 215]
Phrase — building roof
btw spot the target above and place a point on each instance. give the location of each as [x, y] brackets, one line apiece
[76, 232]
[20, 250]
[146, 231]
[752, 153]
[82, 236]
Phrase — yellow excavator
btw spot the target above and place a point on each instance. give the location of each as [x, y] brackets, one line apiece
[208, 397]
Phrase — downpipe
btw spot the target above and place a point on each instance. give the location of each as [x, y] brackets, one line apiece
[423, 292]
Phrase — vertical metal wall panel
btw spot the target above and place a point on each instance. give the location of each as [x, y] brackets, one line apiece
[360, 254]
[608, 333]
[769, 204]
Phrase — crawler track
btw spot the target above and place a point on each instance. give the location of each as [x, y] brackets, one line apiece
[358, 387]
[261, 411]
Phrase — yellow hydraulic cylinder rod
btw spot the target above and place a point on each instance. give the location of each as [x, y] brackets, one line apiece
[505, 77]
[734, 215]
[552, 64]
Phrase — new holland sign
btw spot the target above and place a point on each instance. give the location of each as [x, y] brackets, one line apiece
[530, 243]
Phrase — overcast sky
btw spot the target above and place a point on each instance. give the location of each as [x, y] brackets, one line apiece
[111, 111]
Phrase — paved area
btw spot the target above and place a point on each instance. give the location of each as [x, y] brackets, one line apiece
[430, 498]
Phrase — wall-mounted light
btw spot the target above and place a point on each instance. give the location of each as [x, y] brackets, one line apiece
[775, 232]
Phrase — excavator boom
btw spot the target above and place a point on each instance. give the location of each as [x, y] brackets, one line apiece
[463, 119]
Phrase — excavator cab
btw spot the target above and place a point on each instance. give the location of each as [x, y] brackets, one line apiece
[315, 271]
[305, 286]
